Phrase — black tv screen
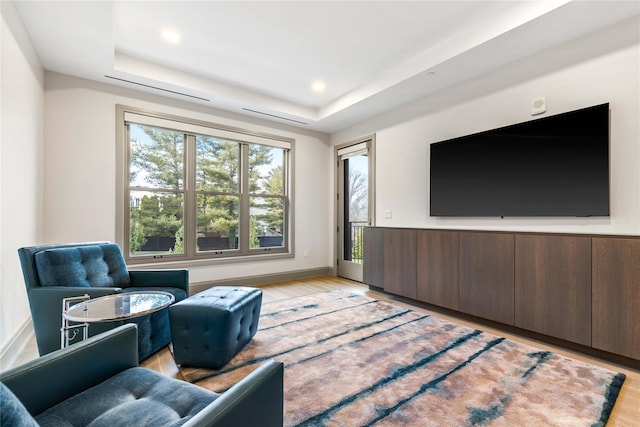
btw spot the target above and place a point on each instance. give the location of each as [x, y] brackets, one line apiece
[553, 166]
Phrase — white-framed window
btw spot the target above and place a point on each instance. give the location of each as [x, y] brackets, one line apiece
[190, 190]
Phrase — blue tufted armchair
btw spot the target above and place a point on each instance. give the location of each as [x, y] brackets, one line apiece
[54, 272]
[98, 383]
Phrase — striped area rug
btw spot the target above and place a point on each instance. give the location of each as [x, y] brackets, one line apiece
[354, 361]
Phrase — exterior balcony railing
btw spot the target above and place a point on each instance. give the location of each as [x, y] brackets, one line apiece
[353, 241]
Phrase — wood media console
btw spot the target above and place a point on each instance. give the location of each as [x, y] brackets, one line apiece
[582, 289]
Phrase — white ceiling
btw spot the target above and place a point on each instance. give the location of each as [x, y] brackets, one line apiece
[260, 58]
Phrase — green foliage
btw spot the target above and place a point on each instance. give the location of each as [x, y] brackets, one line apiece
[162, 159]
[179, 246]
[274, 209]
[217, 165]
[158, 165]
[356, 248]
[161, 215]
[254, 231]
[137, 236]
[259, 155]
[218, 214]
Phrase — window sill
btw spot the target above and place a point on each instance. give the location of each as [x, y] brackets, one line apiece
[141, 264]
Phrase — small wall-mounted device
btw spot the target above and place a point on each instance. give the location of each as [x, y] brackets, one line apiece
[538, 106]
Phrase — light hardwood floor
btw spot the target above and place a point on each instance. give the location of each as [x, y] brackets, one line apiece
[626, 412]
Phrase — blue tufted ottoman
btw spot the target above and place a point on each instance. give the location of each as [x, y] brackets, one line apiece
[212, 326]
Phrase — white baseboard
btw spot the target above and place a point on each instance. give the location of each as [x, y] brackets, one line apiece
[10, 353]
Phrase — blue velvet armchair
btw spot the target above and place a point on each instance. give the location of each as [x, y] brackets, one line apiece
[54, 272]
[98, 382]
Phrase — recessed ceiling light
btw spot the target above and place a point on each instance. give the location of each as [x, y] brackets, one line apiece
[318, 86]
[170, 35]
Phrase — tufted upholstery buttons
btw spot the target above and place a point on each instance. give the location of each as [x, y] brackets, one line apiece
[82, 266]
[219, 321]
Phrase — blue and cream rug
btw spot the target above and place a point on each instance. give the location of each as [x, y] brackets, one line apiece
[354, 361]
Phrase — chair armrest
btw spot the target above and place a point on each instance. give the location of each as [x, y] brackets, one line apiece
[256, 400]
[48, 380]
[45, 294]
[161, 278]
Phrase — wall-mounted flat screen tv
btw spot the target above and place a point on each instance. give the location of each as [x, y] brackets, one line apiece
[553, 166]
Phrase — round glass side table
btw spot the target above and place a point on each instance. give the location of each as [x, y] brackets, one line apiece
[107, 309]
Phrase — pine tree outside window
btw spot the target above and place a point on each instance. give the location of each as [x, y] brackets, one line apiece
[190, 190]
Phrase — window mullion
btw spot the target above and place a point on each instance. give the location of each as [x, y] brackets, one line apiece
[244, 199]
[189, 235]
[126, 222]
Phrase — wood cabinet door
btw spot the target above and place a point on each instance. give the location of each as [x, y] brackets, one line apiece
[400, 262]
[553, 286]
[373, 257]
[486, 275]
[616, 295]
[437, 267]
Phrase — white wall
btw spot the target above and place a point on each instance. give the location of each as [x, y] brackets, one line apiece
[80, 170]
[599, 68]
[70, 195]
[21, 104]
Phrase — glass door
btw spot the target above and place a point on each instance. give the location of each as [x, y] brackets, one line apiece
[355, 207]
